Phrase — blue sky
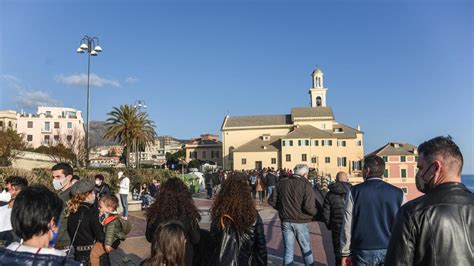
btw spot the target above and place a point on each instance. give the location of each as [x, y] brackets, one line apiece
[401, 69]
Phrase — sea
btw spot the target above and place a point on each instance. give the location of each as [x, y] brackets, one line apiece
[468, 180]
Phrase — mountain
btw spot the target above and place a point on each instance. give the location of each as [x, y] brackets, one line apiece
[97, 129]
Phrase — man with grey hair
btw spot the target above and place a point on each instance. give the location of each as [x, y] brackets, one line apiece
[295, 201]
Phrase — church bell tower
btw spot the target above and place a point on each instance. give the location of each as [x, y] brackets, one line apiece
[318, 92]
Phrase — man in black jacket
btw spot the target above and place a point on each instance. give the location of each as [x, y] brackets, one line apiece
[295, 201]
[438, 227]
[270, 182]
[334, 210]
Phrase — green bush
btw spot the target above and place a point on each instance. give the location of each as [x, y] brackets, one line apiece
[137, 176]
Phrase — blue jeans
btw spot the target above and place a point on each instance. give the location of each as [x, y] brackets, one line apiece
[291, 231]
[371, 257]
[270, 191]
[124, 200]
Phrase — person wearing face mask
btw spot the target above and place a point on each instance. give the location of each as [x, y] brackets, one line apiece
[83, 222]
[62, 174]
[101, 188]
[438, 227]
[14, 185]
[35, 205]
[370, 210]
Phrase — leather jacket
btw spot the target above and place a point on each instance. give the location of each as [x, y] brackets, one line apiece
[435, 229]
[253, 249]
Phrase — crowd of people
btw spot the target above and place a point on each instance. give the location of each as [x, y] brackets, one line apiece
[371, 223]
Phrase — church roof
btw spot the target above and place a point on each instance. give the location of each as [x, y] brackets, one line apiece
[308, 132]
[312, 112]
[392, 148]
[260, 145]
[257, 120]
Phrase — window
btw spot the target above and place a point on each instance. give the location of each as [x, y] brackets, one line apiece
[48, 112]
[316, 143]
[69, 124]
[244, 161]
[327, 159]
[303, 157]
[341, 161]
[274, 160]
[191, 154]
[29, 138]
[30, 124]
[341, 143]
[405, 190]
[356, 165]
[313, 160]
[56, 124]
[385, 158]
[404, 173]
[359, 142]
[306, 142]
[291, 143]
[416, 158]
[323, 126]
[47, 126]
[288, 157]
[283, 143]
[385, 173]
[204, 155]
[1, 123]
[56, 137]
[403, 158]
[329, 142]
[69, 137]
[195, 154]
[217, 154]
[299, 142]
[323, 142]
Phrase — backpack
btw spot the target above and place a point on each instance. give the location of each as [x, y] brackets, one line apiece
[228, 247]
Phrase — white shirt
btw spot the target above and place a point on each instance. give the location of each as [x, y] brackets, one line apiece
[5, 214]
[5, 196]
[124, 185]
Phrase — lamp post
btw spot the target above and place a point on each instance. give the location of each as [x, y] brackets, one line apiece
[139, 104]
[91, 46]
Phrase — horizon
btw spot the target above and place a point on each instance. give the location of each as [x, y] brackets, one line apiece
[402, 70]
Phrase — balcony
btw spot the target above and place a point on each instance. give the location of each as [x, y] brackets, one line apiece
[46, 130]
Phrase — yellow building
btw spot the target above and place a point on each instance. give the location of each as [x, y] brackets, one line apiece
[308, 135]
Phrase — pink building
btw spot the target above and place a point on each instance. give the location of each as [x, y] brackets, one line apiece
[51, 126]
[400, 166]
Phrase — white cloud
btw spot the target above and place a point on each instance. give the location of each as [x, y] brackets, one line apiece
[81, 80]
[26, 98]
[34, 98]
[131, 80]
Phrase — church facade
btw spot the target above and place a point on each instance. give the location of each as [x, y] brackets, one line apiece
[308, 135]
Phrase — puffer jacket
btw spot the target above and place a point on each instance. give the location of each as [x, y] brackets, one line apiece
[334, 208]
[435, 229]
[334, 204]
[14, 258]
[253, 245]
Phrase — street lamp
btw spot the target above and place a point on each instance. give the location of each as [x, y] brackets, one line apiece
[139, 104]
[91, 46]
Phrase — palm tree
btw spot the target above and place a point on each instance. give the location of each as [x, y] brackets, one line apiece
[130, 128]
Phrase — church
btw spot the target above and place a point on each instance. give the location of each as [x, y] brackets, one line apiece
[308, 135]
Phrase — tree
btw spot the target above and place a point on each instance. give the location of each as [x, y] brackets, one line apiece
[130, 128]
[10, 140]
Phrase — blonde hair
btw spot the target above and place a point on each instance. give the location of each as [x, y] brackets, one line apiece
[74, 202]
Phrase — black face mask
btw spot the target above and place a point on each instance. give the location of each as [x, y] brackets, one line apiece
[421, 185]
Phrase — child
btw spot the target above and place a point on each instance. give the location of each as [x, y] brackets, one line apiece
[116, 229]
[169, 246]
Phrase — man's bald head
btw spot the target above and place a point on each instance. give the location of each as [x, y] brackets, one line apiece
[342, 177]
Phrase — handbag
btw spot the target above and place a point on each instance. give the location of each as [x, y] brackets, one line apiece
[229, 243]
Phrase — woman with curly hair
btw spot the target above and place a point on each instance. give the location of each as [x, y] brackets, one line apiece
[83, 224]
[174, 203]
[234, 206]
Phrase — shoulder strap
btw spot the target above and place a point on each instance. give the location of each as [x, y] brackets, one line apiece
[223, 217]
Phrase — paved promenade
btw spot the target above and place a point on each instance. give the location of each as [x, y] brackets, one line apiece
[136, 248]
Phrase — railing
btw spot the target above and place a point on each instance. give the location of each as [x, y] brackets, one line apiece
[46, 130]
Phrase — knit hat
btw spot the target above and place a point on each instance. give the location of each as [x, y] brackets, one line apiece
[82, 186]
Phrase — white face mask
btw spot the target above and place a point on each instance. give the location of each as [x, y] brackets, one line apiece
[58, 184]
[98, 182]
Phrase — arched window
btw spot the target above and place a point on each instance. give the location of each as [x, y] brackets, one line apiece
[231, 153]
[318, 101]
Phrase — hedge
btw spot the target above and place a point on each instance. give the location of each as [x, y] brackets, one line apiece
[137, 176]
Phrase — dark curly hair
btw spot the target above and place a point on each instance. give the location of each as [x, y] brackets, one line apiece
[173, 202]
[234, 199]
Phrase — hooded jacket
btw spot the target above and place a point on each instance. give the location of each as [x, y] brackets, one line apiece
[334, 203]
